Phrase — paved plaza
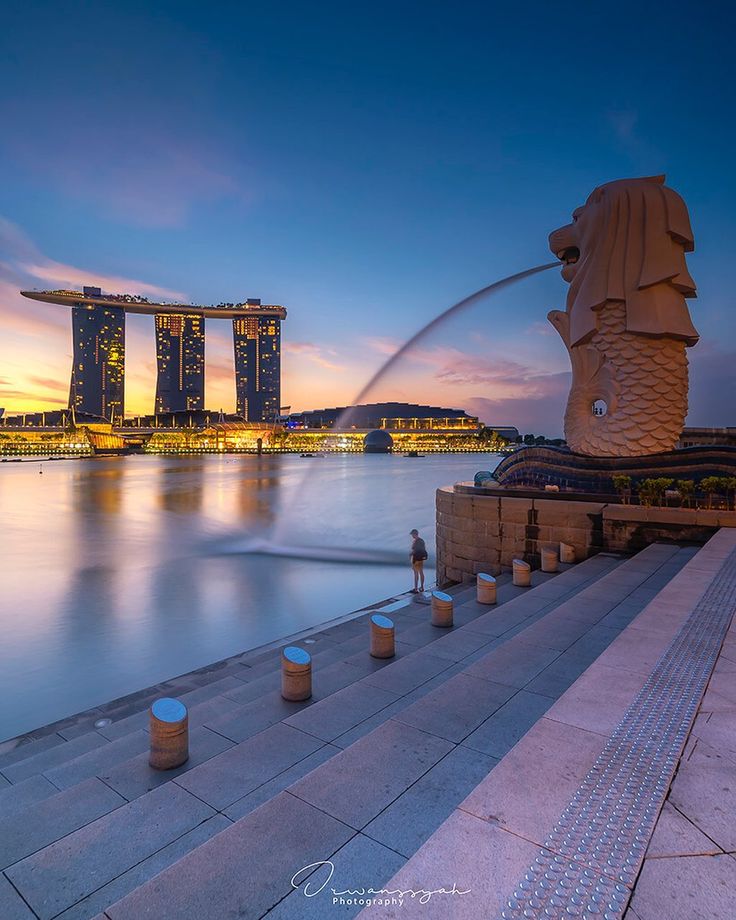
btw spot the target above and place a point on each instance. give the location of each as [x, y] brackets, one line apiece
[454, 764]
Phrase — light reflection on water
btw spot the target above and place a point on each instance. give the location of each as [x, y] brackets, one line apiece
[118, 573]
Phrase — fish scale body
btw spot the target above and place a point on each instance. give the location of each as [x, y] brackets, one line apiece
[644, 382]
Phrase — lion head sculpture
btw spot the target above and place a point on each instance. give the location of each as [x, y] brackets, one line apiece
[628, 243]
[627, 324]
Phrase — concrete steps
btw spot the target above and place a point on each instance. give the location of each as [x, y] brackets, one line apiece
[372, 805]
[339, 656]
[574, 819]
[413, 736]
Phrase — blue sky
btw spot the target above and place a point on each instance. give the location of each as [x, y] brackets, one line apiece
[366, 166]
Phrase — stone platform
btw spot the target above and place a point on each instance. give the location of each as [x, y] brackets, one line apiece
[483, 529]
[364, 775]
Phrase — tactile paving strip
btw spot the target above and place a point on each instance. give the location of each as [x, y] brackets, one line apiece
[591, 859]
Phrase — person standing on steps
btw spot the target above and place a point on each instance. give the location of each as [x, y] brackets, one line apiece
[418, 557]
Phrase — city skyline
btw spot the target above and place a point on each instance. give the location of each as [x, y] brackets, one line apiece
[395, 181]
[99, 359]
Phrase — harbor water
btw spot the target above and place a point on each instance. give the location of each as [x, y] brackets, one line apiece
[117, 573]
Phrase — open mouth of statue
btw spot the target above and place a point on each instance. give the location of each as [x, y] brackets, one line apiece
[569, 256]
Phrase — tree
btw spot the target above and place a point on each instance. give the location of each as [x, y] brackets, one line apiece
[686, 488]
[711, 485]
[622, 484]
[731, 490]
[489, 434]
[529, 439]
[651, 491]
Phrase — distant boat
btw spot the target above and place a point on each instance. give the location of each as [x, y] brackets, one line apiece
[413, 453]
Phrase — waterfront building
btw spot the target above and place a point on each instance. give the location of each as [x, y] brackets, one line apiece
[180, 362]
[257, 341]
[396, 416]
[393, 415]
[692, 437]
[195, 418]
[218, 437]
[98, 371]
[98, 364]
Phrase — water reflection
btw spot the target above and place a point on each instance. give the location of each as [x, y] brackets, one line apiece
[182, 493]
[98, 491]
[110, 578]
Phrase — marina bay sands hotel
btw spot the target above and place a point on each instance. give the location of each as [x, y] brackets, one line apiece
[98, 369]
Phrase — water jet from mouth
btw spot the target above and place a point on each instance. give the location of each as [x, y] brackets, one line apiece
[278, 544]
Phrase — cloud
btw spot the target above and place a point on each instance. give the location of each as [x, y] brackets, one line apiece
[539, 328]
[155, 179]
[535, 402]
[313, 353]
[220, 372]
[60, 274]
[624, 126]
[49, 383]
[28, 395]
[26, 317]
[514, 393]
[384, 346]
[35, 338]
[159, 193]
[540, 410]
[469, 369]
[14, 242]
[25, 260]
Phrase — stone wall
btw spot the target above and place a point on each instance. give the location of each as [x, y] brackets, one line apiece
[479, 532]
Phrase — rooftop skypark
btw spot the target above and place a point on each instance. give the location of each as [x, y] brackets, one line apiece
[135, 303]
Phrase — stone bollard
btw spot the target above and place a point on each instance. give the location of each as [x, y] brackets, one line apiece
[486, 588]
[382, 636]
[169, 730]
[296, 673]
[550, 559]
[567, 553]
[522, 573]
[441, 609]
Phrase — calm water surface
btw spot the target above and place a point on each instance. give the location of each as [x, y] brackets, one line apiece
[118, 573]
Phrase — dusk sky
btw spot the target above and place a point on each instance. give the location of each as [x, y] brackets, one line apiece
[365, 166]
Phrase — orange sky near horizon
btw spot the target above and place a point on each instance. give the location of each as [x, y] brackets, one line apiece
[36, 354]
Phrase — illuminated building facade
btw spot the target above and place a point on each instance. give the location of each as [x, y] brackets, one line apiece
[257, 341]
[180, 361]
[392, 415]
[99, 352]
[98, 369]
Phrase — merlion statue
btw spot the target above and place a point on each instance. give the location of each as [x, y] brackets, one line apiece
[627, 324]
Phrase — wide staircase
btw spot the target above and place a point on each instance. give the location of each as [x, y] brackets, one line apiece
[363, 775]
